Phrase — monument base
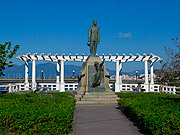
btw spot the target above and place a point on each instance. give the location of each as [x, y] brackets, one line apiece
[93, 83]
[88, 73]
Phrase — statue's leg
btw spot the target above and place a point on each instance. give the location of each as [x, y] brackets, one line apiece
[95, 48]
[91, 48]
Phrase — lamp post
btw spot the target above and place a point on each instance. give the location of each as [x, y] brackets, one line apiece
[42, 74]
[136, 75]
[73, 74]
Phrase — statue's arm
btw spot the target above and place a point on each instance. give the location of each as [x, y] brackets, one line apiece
[102, 63]
[89, 34]
[98, 34]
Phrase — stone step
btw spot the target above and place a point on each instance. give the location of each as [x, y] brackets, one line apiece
[100, 99]
[99, 93]
[78, 92]
[77, 99]
[99, 96]
[78, 96]
[96, 102]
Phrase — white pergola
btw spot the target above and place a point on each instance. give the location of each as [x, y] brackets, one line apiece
[62, 58]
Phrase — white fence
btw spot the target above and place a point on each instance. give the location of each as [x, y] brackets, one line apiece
[152, 88]
[10, 87]
[73, 86]
[52, 86]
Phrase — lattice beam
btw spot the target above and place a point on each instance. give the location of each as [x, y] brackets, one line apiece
[124, 58]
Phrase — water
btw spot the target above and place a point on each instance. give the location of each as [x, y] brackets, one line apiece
[1, 88]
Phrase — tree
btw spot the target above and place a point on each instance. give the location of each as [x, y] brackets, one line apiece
[170, 70]
[6, 54]
[173, 61]
[163, 76]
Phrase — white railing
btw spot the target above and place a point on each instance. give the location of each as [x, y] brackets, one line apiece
[128, 87]
[9, 87]
[73, 86]
[169, 89]
[50, 86]
[70, 86]
[155, 88]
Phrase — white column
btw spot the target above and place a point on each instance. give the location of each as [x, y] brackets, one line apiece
[146, 76]
[152, 77]
[151, 73]
[120, 77]
[62, 77]
[57, 77]
[26, 83]
[34, 85]
[117, 89]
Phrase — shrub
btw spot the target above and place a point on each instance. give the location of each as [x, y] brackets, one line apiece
[153, 113]
[30, 114]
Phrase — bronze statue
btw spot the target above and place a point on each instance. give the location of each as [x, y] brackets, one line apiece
[99, 74]
[93, 38]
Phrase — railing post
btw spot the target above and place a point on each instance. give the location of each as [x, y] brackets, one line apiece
[165, 90]
[10, 88]
[174, 90]
[62, 89]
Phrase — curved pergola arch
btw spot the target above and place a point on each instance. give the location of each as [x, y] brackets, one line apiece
[119, 59]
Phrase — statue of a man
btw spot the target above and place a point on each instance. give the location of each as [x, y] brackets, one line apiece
[99, 72]
[93, 38]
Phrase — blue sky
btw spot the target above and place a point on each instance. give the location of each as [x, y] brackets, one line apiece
[56, 26]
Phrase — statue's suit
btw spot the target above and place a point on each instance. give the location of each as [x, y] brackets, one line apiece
[93, 38]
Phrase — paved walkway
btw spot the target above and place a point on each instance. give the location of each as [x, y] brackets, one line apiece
[101, 120]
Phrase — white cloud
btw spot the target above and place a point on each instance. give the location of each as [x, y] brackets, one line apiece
[125, 35]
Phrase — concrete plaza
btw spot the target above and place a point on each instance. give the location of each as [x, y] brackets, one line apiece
[101, 119]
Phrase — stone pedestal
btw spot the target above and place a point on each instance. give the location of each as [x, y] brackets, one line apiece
[89, 89]
[87, 75]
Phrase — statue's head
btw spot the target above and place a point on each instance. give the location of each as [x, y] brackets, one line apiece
[96, 64]
[95, 22]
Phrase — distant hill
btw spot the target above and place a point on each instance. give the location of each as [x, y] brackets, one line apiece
[49, 70]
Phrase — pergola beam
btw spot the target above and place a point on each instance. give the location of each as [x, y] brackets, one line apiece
[124, 58]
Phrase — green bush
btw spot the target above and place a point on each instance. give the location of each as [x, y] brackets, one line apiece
[30, 114]
[153, 113]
